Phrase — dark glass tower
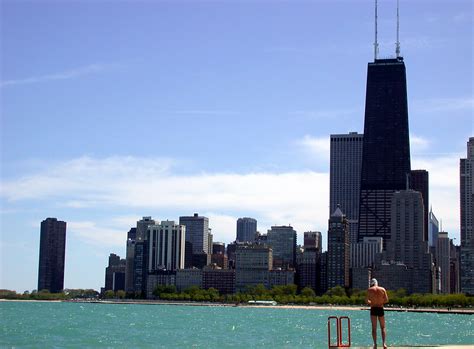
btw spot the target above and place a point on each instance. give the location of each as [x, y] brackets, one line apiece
[51, 255]
[386, 147]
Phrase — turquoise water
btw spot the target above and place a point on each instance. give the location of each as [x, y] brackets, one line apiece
[81, 325]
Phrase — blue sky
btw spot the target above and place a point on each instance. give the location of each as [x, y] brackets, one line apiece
[111, 111]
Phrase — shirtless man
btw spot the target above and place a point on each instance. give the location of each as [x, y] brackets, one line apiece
[376, 298]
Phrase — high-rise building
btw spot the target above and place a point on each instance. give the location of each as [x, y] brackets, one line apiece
[344, 174]
[407, 245]
[165, 246]
[433, 230]
[252, 264]
[454, 253]
[338, 250]
[308, 268]
[313, 239]
[51, 255]
[363, 253]
[246, 229]
[115, 273]
[466, 169]
[136, 237]
[386, 146]
[197, 232]
[443, 260]
[282, 240]
[419, 181]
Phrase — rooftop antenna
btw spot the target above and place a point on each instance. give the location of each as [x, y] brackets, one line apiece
[376, 45]
[397, 45]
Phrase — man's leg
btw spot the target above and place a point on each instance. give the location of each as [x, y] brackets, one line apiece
[373, 319]
[382, 329]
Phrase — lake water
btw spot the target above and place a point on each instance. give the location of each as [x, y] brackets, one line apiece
[82, 325]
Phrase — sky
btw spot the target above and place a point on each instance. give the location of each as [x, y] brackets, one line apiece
[115, 110]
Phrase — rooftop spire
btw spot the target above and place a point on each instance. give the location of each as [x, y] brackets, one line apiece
[376, 45]
[397, 45]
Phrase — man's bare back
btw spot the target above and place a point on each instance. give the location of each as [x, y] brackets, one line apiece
[376, 296]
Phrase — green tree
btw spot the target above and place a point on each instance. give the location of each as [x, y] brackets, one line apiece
[109, 294]
[308, 292]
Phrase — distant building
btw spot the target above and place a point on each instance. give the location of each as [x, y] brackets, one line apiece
[466, 169]
[278, 277]
[198, 237]
[165, 246]
[186, 278]
[419, 181]
[407, 251]
[455, 252]
[443, 260]
[115, 273]
[246, 229]
[308, 271]
[313, 239]
[222, 280]
[386, 146]
[338, 250]
[252, 263]
[51, 255]
[159, 278]
[218, 248]
[433, 230]
[344, 177]
[282, 240]
[136, 237]
[363, 253]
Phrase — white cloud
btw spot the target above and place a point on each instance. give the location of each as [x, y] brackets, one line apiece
[434, 105]
[319, 147]
[91, 233]
[68, 74]
[418, 143]
[129, 183]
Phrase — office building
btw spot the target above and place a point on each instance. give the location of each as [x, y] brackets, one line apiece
[186, 278]
[419, 181]
[218, 248]
[443, 261]
[223, 280]
[115, 273]
[197, 235]
[282, 240]
[313, 239]
[344, 177]
[246, 229]
[363, 253]
[134, 236]
[433, 230]
[338, 250]
[308, 268]
[386, 146]
[51, 255]
[252, 263]
[165, 243]
[466, 169]
[407, 246]
[454, 263]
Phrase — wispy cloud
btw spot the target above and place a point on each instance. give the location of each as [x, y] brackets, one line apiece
[324, 113]
[148, 185]
[64, 75]
[317, 147]
[434, 105]
[418, 143]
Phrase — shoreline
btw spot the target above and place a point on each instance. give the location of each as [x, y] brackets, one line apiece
[463, 311]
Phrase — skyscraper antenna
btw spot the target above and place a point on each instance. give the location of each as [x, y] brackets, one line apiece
[397, 45]
[376, 45]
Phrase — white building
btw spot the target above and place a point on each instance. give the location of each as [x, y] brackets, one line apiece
[166, 243]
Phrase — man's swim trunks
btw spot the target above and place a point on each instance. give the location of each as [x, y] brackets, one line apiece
[376, 311]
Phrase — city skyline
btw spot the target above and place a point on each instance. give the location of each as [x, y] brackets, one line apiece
[182, 110]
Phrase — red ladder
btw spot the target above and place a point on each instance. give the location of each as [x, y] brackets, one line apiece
[338, 321]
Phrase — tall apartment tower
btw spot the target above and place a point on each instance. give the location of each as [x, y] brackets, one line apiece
[338, 250]
[466, 169]
[344, 174]
[246, 229]
[386, 146]
[52, 255]
[166, 242]
[282, 240]
[419, 181]
[443, 261]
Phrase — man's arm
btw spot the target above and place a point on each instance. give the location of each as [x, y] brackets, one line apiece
[385, 296]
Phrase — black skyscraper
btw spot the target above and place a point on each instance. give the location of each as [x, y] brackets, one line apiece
[386, 148]
[51, 256]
